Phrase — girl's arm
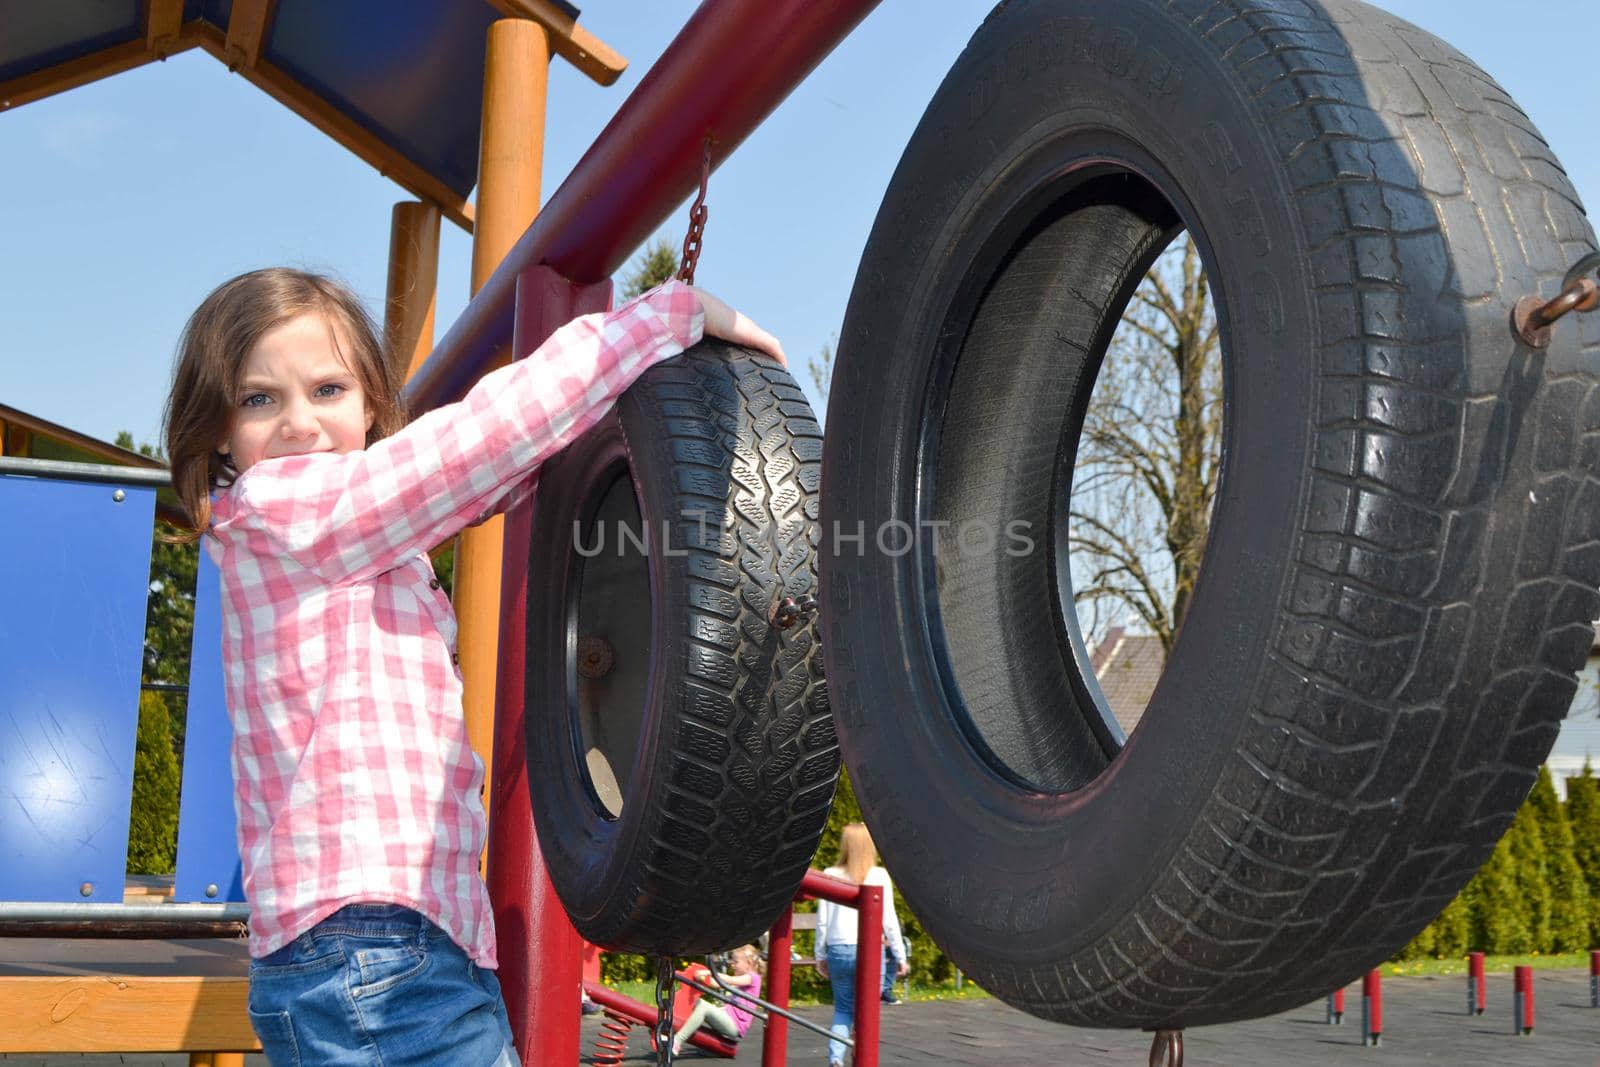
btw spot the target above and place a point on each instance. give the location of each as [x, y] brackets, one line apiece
[347, 517]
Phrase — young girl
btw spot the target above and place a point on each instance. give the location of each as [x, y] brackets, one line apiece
[358, 797]
[732, 1021]
[837, 932]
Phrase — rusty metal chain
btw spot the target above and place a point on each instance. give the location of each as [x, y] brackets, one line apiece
[664, 1011]
[1167, 1049]
[1580, 291]
[697, 223]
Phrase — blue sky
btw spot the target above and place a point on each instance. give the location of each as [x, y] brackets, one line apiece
[126, 201]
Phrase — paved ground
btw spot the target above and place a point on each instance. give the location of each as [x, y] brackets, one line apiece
[1425, 1023]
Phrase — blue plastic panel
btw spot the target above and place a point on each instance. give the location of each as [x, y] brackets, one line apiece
[412, 74]
[71, 641]
[35, 36]
[208, 841]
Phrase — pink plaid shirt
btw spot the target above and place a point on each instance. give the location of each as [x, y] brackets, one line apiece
[353, 779]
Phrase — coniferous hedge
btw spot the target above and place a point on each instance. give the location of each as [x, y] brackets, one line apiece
[153, 818]
[1539, 891]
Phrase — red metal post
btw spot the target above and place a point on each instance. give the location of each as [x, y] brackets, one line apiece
[1372, 1007]
[1594, 978]
[780, 942]
[1336, 1008]
[1475, 983]
[1522, 1001]
[869, 974]
[541, 955]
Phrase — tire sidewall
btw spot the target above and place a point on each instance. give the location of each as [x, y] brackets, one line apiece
[1127, 86]
[586, 850]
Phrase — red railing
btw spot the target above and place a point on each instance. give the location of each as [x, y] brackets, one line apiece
[868, 900]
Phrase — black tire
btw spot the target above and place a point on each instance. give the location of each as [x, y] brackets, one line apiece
[1402, 563]
[679, 794]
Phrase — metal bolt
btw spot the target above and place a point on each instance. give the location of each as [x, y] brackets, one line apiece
[788, 611]
[119, 496]
[211, 890]
[86, 889]
[596, 657]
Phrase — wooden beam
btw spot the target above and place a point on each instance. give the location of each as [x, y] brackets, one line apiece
[247, 28]
[126, 1013]
[567, 39]
[413, 289]
[510, 164]
[76, 72]
[163, 26]
[343, 129]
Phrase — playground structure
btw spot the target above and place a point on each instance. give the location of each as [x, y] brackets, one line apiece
[534, 268]
[726, 70]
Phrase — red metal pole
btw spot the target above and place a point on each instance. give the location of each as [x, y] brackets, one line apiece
[728, 68]
[869, 974]
[541, 955]
[1475, 983]
[1336, 1008]
[1522, 1001]
[1594, 978]
[1372, 1007]
[780, 942]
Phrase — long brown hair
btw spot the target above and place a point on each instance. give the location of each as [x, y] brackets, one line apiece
[211, 355]
[857, 854]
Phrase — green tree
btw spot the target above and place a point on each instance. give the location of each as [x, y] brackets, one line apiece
[656, 264]
[1569, 892]
[153, 817]
[820, 367]
[1583, 816]
[1150, 455]
[1499, 918]
[169, 611]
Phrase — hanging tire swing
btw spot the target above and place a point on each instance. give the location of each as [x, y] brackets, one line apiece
[682, 755]
[1405, 545]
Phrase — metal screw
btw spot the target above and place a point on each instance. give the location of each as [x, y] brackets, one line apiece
[86, 889]
[119, 496]
[211, 890]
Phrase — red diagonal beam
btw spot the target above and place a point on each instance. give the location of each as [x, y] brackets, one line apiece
[728, 68]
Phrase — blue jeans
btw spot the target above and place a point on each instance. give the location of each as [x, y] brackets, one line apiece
[378, 985]
[842, 976]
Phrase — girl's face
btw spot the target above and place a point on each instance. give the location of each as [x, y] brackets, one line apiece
[742, 964]
[297, 396]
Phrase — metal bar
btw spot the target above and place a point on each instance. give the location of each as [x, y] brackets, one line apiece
[165, 687]
[25, 911]
[727, 69]
[869, 973]
[537, 985]
[825, 887]
[780, 946]
[146, 930]
[645, 1014]
[727, 992]
[60, 470]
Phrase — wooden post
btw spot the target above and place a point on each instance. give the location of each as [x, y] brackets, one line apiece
[509, 159]
[413, 284]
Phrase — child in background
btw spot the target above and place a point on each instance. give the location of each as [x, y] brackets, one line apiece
[837, 932]
[732, 1021]
[357, 794]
